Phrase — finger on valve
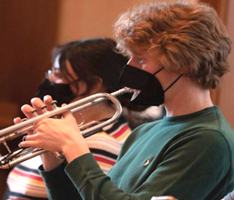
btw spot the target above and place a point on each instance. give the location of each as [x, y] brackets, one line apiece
[29, 111]
[17, 120]
[39, 105]
[49, 102]
[28, 141]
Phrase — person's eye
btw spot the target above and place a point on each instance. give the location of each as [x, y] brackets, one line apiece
[140, 60]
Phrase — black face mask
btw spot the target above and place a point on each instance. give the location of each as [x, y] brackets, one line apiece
[62, 93]
[151, 91]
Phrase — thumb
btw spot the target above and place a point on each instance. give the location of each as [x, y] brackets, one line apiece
[68, 114]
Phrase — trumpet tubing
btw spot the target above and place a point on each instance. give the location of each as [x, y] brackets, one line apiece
[15, 131]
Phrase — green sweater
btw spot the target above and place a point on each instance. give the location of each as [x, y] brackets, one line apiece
[189, 157]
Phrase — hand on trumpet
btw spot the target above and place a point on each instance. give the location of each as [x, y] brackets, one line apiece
[56, 135]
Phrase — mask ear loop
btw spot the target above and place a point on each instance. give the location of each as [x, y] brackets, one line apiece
[158, 70]
[173, 82]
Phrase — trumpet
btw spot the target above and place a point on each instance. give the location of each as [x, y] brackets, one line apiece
[11, 158]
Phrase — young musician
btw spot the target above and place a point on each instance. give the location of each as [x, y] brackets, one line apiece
[80, 69]
[177, 53]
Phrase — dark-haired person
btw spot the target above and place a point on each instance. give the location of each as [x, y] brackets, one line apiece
[178, 52]
[81, 68]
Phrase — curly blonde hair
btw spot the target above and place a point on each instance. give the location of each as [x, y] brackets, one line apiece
[186, 38]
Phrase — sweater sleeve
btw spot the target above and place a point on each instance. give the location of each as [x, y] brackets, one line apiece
[91, 182]
[87, 180]
[58, 185]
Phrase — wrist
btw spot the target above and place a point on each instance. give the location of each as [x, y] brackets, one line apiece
[72, 152]
[50, 161]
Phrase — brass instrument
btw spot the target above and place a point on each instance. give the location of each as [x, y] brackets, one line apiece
[18, 130]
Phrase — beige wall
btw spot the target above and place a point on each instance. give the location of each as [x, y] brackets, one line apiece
[226, 94]
[91, 18]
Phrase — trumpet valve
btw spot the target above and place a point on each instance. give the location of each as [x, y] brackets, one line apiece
[44, 108]
[54, 104]
[34, 112]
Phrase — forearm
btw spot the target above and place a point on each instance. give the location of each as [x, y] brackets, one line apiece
[91, 182]
[88, 181]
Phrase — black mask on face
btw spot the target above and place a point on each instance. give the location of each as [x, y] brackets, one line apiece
[151, 91]
[62, 93]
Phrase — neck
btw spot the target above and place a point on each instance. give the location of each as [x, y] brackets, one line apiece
[186, 98]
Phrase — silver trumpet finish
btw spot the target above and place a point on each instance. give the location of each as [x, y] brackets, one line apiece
[18, 130]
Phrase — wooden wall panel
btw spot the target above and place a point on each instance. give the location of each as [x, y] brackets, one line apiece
[28, 32]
